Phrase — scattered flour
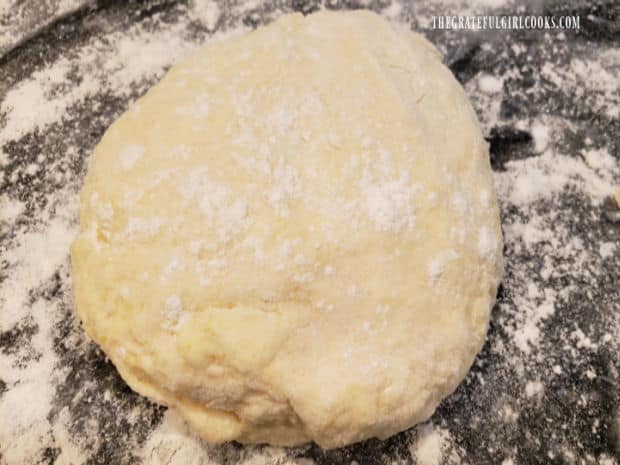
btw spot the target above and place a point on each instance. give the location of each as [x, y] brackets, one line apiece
[37, 249]
[528, 335]
[29, 371]
[18, 21]
[540, 134]
[489, 84]
[10, 209]
[106, 64]
[427, 448]
[487, 244]
[542, 177]
[33, 259]
[206, 12]
[392, 11]
[533, 388]
[173, 443]
[129, 155]
[389, 205]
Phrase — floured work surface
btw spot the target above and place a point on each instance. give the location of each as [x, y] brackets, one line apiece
[544, 388]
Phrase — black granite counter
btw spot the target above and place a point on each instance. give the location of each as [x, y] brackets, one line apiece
[546, 386]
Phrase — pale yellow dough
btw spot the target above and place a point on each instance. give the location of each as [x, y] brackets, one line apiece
[294, 236]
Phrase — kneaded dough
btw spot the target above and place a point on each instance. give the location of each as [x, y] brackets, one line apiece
[294, 236]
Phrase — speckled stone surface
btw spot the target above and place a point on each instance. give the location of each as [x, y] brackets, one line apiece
[493, 417]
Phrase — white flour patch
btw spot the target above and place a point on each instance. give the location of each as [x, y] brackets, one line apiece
[106, 64]
[37, 250]
[29, 370]
[541, 244]
[389, 204]
[173, 443]
[34, 258]
[538, 178]
[428, 448]
[10, 209]
[206, 12]
[129, 155]
[489, 84]
[19, 21]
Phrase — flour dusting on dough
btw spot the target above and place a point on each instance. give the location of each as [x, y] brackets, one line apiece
[540, 250]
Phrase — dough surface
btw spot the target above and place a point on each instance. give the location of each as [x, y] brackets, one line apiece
[294, 235]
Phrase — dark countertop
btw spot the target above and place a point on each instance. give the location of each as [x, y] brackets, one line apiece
[546, 386]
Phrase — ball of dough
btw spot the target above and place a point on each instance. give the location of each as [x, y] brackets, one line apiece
[294, 236]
